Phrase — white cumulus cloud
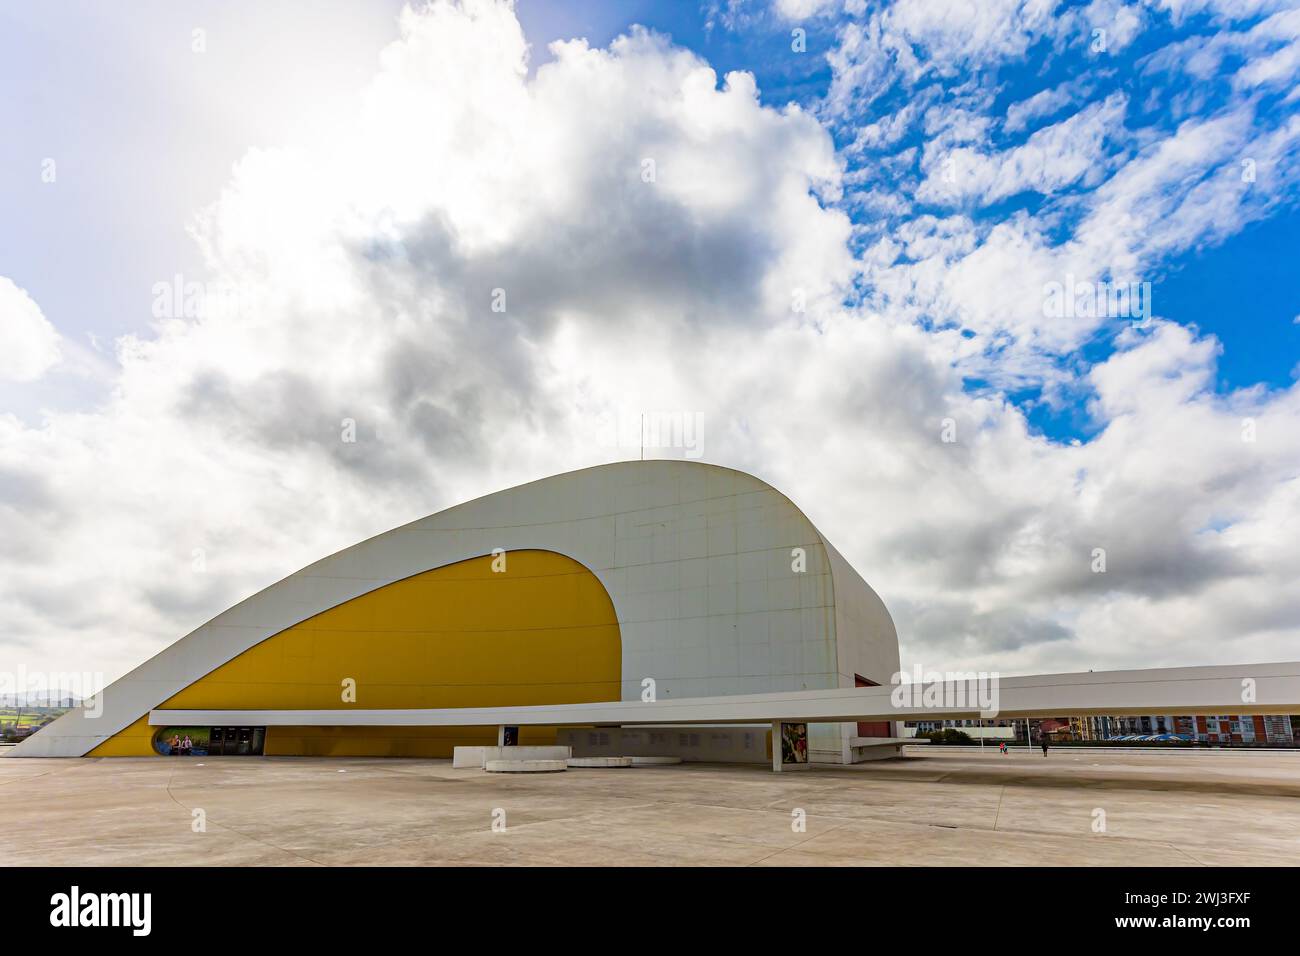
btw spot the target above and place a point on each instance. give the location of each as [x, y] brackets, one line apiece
[29, 344]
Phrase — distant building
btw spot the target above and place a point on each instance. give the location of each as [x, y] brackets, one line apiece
[995, 729]
[1271, 729]
[1256, 729]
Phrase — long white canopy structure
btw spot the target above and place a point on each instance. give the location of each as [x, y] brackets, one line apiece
[1238, 689]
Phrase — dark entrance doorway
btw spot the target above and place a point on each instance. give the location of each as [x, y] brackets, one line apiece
[236, 741]
[870, 728]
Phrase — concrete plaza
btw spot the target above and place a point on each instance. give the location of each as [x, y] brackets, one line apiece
[932, 807]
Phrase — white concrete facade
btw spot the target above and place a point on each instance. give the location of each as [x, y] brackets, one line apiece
[698, 561]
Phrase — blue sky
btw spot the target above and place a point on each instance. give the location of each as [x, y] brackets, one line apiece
[850, 244]
[1201, 286]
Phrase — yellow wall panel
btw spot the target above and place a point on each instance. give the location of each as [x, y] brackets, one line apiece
[541, 632]
[133, 741]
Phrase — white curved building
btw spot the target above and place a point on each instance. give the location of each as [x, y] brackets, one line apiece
[687, 579]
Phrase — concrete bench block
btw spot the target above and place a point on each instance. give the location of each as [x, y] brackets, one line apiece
[525, 766]
[466, 757]
[462, 757]
[600, 761]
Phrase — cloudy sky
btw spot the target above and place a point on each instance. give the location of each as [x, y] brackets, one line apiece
[866, 246]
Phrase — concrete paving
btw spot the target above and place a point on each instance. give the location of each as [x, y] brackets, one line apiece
[928, 808]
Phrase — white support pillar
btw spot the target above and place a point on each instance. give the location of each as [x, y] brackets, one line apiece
[776, 746]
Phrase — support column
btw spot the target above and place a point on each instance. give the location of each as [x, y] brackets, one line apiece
[776, 746]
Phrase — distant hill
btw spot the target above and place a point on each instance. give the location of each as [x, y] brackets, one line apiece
[41, 699]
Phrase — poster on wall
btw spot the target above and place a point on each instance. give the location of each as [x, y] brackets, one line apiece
[794, 743]
[183, 741]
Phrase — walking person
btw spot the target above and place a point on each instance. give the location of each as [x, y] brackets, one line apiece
[1043, 740]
